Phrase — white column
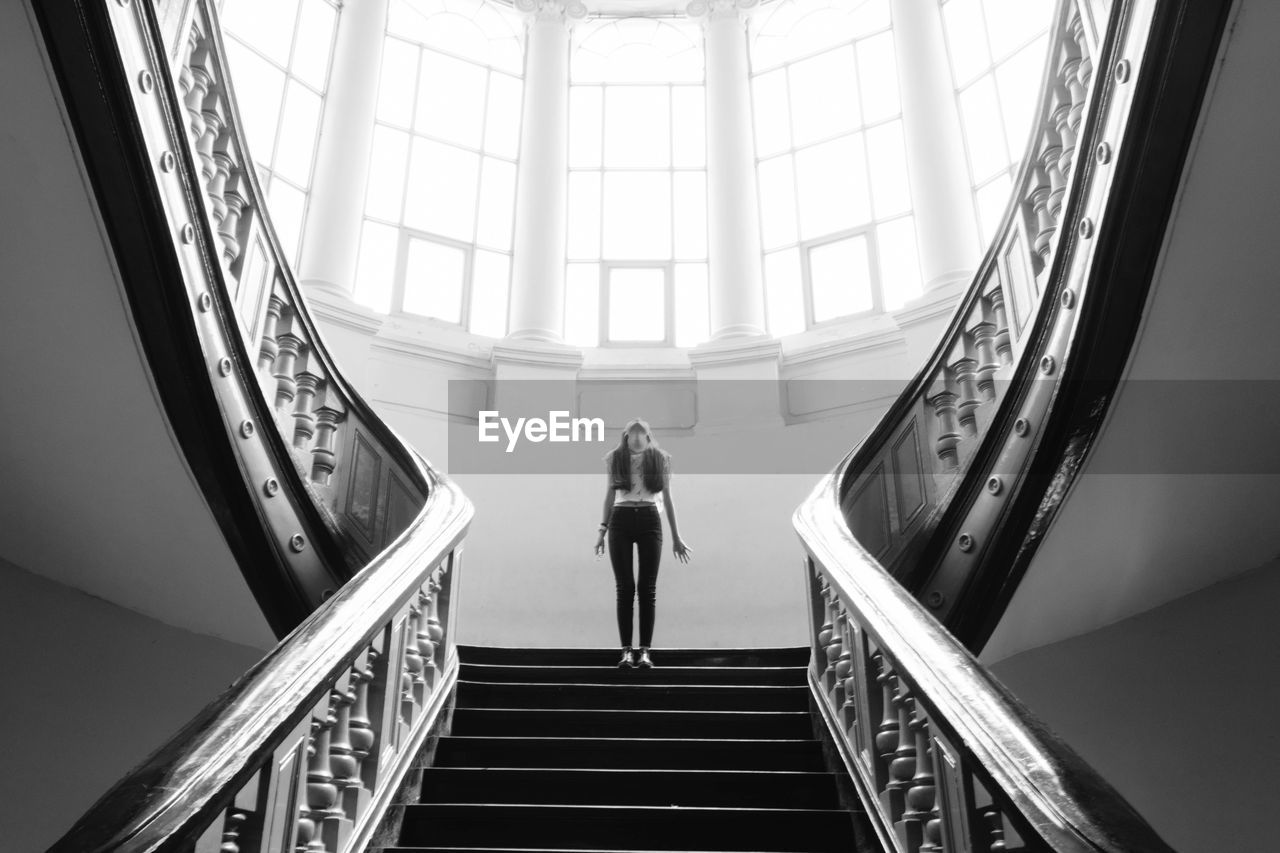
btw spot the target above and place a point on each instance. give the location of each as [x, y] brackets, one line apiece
[941, 196]
[331, 236]
[736, 278]
[537, 281]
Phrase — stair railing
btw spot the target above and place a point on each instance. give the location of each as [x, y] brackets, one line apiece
[363, 538]
[944, 757]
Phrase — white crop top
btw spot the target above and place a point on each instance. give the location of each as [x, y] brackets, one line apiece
[638, 491]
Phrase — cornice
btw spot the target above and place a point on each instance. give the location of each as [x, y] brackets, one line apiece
[535, 353]
[736, 351]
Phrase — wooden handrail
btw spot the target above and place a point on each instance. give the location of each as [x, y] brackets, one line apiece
[941, 752]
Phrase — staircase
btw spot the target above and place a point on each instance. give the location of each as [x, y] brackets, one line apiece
[558, 749]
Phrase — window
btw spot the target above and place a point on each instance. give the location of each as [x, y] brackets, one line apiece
[280, 53]
[835, 201]
[637, 191]
[997, 50]
[440, 206]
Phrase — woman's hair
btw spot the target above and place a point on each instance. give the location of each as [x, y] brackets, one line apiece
[656, 464]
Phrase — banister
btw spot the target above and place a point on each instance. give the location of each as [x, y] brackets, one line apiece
[252, 737]
[975, 767]
[930, 489]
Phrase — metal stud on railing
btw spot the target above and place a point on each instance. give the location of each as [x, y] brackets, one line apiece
[1103, 153]
[271, 487]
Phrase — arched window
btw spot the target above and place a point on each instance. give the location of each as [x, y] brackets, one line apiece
[280, 53]
[997, 58]
[835, 202]
[637, 229]
[440, 204]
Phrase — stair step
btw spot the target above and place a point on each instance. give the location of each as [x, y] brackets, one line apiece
[476, 694]
[466, 826]
[777, 789]
[580, 722]
[631, 753]
[510, 655]
[611, 674]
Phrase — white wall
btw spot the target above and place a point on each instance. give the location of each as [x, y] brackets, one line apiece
[97, 494]
[92, 690]
[1175, 707]
[1183, 487]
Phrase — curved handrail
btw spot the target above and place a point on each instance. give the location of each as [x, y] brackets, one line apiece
[366, 641]
[921, 721]
[916, 456]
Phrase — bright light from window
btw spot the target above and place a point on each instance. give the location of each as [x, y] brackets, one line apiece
[637, 304]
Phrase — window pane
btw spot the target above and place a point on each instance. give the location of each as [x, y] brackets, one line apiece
[778, 202]
[489, 290]
[688, 109]
[450, 99]
[586, 124]
[387, 163]
[1019, 83]
[637, 304]
[773, 122]
[1012, 22]
[442, 189]
[899, 262]
[502, 124]
[287, 204]
[878, 75]
[584, 215]
[376, 266]
[692, 307]
[966, 39]
[831, 181]
[396, 85]
[783, 296]
[433, 280]
[259, 89]
[299, 125]
[691, 215]
[582, 305]
[841, 276]
[637, 130]
[314, 42]
[497, 203]
[992, 200]
[887, 156]
[983, 130]
[266, 26]
[637, 215]
[824, 96]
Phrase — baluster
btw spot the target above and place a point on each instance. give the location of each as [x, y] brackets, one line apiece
[1050, 158]
[289, 344]
[963, 369]
[268, 349]
[848, 708]
[1003, 342]
[329, 412]
[232, 824]
[984, 337]
[994, 820]
[214, 121]
[943, 400]
[185, 80]
[435, 628]
[1045, 227]
[835, 654]
[360, 729]
[201, 82]
[236, 195]
[827, 628]
[887, 730]
[414, 688]
[322, 793]
[224, 163]
[921, 796]
[902, 768]
[306, 380]
[427, 646]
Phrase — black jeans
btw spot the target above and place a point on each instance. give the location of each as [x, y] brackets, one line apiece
[640, 526]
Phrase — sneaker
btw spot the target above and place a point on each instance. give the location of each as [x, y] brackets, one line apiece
[645, 662]
[628, 658]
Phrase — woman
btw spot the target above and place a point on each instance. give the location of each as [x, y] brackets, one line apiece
[637, 471]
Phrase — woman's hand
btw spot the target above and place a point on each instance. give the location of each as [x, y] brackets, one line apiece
[600, 544]
[681, 550]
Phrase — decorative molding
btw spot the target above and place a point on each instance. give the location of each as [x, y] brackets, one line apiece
[566, 11]
[542, 354]
[736, 351]
[876, 339]
[711, 10]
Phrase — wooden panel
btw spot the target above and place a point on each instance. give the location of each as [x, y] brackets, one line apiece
[908, 482]
[362, 492]
[867, 511]
[1018, 281]
[401, 508]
